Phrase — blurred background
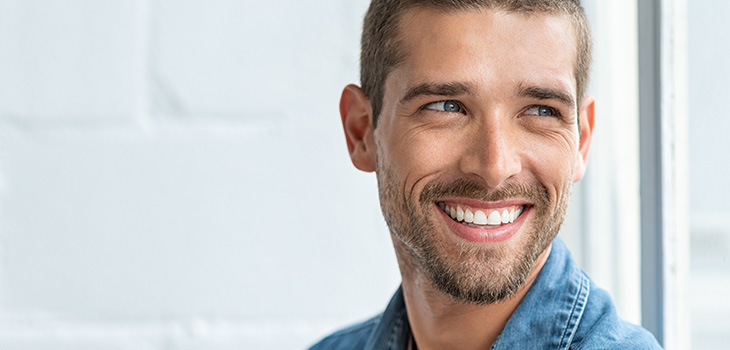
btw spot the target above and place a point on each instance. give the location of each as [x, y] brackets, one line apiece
[173, 174]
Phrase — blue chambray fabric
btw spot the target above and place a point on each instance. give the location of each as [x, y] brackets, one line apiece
[562, 310]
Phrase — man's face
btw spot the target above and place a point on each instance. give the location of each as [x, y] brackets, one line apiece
[478, 146]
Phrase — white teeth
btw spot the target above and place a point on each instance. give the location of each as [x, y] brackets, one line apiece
[494, 218]
[480, 218]
[468, 216]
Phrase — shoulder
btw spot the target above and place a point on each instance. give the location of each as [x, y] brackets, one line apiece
[353, 337]
[602, 328]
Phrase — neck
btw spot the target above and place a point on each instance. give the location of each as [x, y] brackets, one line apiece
[438, 321]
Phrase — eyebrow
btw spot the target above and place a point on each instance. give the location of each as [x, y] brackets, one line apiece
[542, 93]
[457, 89]
[428, 89]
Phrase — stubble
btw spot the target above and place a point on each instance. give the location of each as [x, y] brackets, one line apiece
[466, 271]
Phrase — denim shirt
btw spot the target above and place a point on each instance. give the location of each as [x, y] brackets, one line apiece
[562, 310]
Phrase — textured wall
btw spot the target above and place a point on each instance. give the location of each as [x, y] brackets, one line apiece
[173, 176]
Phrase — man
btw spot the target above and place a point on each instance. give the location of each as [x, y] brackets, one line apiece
[474, 116]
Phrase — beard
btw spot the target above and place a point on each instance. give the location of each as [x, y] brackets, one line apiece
[469, 272]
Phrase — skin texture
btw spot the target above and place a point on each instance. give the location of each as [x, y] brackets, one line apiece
[509, 136]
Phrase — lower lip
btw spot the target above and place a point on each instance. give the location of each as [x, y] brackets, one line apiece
[485, 235]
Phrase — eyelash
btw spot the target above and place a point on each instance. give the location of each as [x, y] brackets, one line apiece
[454, 102]
[554, 111]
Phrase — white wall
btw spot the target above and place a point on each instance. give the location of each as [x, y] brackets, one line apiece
[610, 211]
[173, 176]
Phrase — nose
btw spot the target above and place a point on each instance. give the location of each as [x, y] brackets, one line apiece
[493, 153]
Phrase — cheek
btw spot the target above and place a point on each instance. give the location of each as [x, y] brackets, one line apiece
[551, 158]
[420, 155]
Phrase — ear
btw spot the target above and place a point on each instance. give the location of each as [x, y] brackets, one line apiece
[357, 119]
[587, 121]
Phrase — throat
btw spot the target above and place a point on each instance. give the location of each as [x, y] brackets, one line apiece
[437, 321]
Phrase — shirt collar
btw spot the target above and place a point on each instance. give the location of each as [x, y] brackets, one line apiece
[393, 330]
[553, 307]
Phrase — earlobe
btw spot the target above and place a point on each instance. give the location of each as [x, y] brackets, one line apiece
[356, 116]
[587, 122]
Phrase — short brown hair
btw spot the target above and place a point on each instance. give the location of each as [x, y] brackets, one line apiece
[380, 52]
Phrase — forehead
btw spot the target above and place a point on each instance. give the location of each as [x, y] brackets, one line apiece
[487, 48]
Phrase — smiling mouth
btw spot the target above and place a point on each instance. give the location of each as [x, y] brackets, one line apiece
[482, 218]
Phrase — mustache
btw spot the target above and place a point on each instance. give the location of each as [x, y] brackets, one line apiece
[533, 192]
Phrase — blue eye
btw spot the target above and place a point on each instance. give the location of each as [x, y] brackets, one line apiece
[543, 111]
[450, 106]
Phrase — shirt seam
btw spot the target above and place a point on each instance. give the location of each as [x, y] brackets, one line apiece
[576, 313]
[397, 331]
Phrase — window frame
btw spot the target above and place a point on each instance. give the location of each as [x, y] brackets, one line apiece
[662, 26]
